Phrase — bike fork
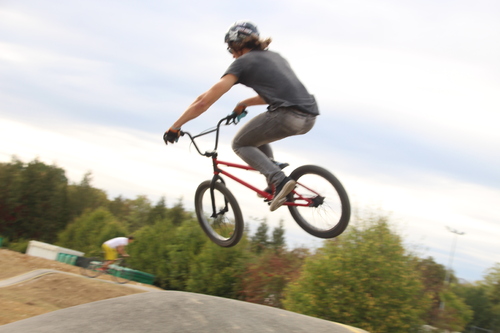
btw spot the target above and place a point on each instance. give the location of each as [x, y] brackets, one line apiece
[212, 197]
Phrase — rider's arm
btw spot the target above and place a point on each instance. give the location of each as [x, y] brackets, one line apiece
[205, 100]
[256, 100]
[121, 250]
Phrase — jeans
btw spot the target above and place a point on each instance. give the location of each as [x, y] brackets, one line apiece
[251, 143]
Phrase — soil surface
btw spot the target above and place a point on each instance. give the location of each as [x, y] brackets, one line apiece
[50, 292]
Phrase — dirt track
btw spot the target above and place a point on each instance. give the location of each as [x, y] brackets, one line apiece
[49, 292]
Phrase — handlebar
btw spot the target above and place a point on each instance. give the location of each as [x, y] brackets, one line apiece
[230, 119]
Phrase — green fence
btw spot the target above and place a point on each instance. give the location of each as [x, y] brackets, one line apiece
[128, 273]
[143, 277]
[133, 275]
[66, 258]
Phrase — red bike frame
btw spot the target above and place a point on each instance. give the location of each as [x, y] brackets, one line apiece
[299, 200]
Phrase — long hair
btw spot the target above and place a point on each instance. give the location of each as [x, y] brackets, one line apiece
[251, 42]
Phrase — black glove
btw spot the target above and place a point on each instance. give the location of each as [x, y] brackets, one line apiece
[172, 136]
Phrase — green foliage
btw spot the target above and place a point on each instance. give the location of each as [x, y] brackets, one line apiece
[83, 197]
[139, 210]
[363, 278]
[260, 240]
[20, 245]
[278, 237]
[177, 213]
[120, 208]
[455, 314]
[216, 270]
[448, 310]
[432, 276]
[88, 232]
[149, 251]
[167, 251]
[158, 212]
[32, 201]
[475, 296]
[138, 213]
[492, 286]
[267, 275]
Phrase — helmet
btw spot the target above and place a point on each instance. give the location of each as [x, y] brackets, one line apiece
[240, 30]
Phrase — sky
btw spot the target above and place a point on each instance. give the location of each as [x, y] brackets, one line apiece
[408, 93]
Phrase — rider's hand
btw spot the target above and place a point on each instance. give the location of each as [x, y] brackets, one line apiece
[240, 108]
[237, 116]
[238, 112]
[172, 135]
[125, 255]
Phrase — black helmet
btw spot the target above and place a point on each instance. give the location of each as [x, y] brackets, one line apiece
[239, 31]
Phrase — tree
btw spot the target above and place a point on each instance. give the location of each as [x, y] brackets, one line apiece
[475, 296]
[87, 232]
[150, 252]
[216, 270]
[432, 276]
[260, 240]
[492, 284]
[448, 311]
[84, 196]
[139, 210]
[183, 249]
[363, 278]
[168, 250]
[278, 238]
[177, 213]
[267, 275]
[119, 207]
[456, 314]
[158, 212]
[33, 200]
[483, 298]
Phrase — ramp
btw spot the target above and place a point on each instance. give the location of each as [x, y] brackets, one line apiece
[174, 311]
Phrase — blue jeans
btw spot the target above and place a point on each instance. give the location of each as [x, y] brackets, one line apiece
[251, 143]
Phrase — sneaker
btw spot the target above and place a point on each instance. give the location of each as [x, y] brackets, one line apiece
[282, 190]
[269, 189]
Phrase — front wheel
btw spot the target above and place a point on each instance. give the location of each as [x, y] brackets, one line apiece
[121, 273]
[319, 204]
[219, 214]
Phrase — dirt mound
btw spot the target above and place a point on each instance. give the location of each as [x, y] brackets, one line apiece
[49, 292]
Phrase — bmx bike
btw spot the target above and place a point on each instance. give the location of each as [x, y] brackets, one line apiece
[319, 203]
[118, 270]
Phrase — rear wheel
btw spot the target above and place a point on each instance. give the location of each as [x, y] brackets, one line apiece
[224, 226]
[92, 269]
[320, 203]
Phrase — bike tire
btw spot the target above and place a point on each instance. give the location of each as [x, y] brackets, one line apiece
[121, 273]
[91, 270]
[330, 212]
[226, 229]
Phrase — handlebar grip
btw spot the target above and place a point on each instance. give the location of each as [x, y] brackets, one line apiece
[228, 119]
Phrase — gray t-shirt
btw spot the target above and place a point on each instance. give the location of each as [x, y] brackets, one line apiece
[270, 75]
